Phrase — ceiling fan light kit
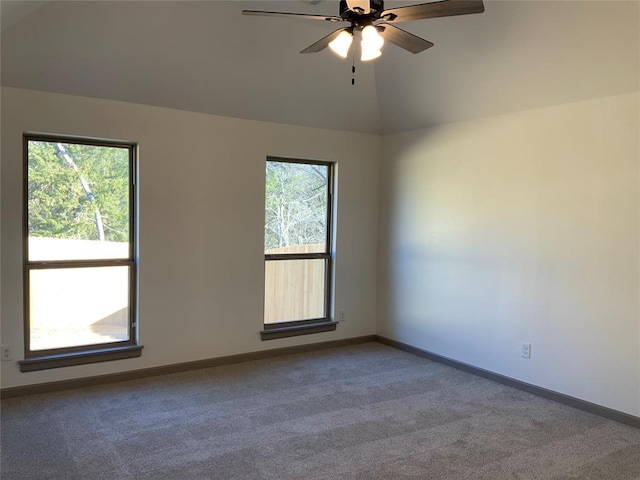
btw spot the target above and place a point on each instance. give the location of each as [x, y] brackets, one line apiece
[340, 46]
[376, 24]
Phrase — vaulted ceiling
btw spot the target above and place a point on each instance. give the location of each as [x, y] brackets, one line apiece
[204, 56]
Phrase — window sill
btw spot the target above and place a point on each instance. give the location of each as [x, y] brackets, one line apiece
[79, 358]
[295, 330]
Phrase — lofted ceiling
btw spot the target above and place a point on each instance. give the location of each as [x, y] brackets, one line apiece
[204, 56]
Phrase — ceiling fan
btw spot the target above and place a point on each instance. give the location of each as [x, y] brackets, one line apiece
[376, 24]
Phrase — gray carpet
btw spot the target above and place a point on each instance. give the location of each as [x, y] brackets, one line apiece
[361, 412]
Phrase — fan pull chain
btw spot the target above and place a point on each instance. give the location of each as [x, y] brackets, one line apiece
[353, 67]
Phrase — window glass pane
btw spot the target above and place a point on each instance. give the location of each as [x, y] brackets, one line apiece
[294, 290]
[78, 306]
[78, 201]
[296, 208]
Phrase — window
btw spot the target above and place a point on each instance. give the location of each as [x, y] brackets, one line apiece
[297, 247]
[79, 251]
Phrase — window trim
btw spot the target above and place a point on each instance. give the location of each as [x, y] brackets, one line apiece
[91, 353]
[312, 325]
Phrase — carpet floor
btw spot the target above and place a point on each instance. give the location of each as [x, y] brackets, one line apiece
[364, 412]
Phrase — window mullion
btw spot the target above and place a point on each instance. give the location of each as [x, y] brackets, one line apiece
[78, 264]
[296, 256]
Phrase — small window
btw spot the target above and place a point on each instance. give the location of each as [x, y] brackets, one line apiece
[298, 260]
[79, 251]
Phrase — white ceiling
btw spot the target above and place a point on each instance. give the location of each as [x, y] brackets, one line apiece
[204, 56]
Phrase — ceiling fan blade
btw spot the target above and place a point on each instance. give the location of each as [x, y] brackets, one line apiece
[323, 42]
[308, 16]
[441, 8]
[404, 39]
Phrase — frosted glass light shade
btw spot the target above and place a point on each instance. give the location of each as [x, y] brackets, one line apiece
[369, 54]
[371, 43]
[371, 37]
[340, 45]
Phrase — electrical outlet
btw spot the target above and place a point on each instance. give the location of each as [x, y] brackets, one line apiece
[525, 351]
[342, 316]
[6, 353]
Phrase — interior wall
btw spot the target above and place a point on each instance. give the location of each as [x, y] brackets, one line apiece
[520, 228]
[201, 222]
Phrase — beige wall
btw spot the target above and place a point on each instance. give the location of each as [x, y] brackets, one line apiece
[506, 229]
[201, 225]
[517, 228]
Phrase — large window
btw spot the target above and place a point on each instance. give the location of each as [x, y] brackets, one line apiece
[297, 247]
[79, 251]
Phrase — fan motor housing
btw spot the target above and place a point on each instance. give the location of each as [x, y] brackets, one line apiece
[376, 8]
